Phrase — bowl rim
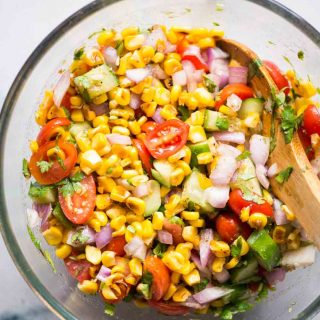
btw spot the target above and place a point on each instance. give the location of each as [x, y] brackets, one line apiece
[8, 236]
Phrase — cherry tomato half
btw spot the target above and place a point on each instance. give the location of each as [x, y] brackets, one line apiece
[175, 230]
[167, 138]
[144, 154]
[116, 245]
[66, 101]
[311, 120]
[51, 129]
[79, 207]
[148, 126]
[169, 308]
[240, 89]
[160, 276]
[58, 170]
[78, 269]
[306, 143]
[198, 64]
[276, 75]
[237, 203]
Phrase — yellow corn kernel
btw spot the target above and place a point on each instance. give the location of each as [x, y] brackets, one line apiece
[108, 293]
[101, 217]
[131, 279]
[138, 179]
[258, 220]
[220, 248]
[129, 31]
[128, 173]
[93, 271]
[103, 128]
[136, 60]
[46, 104]
[63, 251]
[100, 120]
[184, 166]
[177, 177]
[174, 260]
[175, 277]
[105, 184]
[76, 101]
[121, 130]
[252, 120]
[122, 96]
[190, 215]
[105, 37]
[132, 217]
[100, 99]
[157, 220]
[181, 295]
[232, 263]
[170, 292]
[158, 57]
[119, 193]
[34, 147]
[289, 214]
[293, 240]
[91, 159]
[99, 141]
[142, 120]
[140, 303]
[267, 196]
[123, 65]
[56, 112]
[227, 111]
[136, 205]
[207, 42]
[204, 97]
[138, 228]
[94, 224]
[148, 94]
[124, 82]
[279, 234]
[53, 236]
[173, 202]
[185, 249]
[245, 214]
[197, 223]
[128, 235]
[240, 242]
[162, 96]
[175, 93]
[218, 263]
[168, 112]
[147, 229]
[135, 266]
[120, 232]
[133, 42]
[78, 67]
[147, 52]
[108, 258]
[146, 83]
[118, 222]
[216, 33]
[77, 115]
[81, 256]
[197, 134]
[187, 268]
[205, 158]
[134, 127]
[93, 254]
[192, 278]
[189, 232]
[88, 286]
[103, 201]
[93, 57]
[171, 66]
[115, 211]
[149, 108]
[196, 118]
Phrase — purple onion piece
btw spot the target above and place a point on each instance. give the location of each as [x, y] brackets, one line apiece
[103, 237]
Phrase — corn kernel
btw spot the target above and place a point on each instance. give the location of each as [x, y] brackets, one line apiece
[252, 120]
[149, 108]
[108, 293]
[175, 93]
[205, 158]
[177, 177]
[197, 134]
[134, 127]
[157, 220]
[218, 263]
[279, 234]
[197, 223]
[76, 101]
[232, 263]
[93, 254]
[131, 217]
[171, 66]
[175, 277]
[220, 248]
[258, 220]
[34, 147]
[130, 31]
[91, 159]
[293, 240]
[162, 96]
[185, 249]
[206, 43]
[77, 116]
[189, 232]
[100, 120]
[245, 214]
[105, 38]
[99, 141]
[227, 111]
[147, 52]
[173, 202]
[170, 292]
[181, 295]
[93, 57]
[174, 260]
[147, 229]
[88, 286]
[108, 258]
[119, 193]
[192, 278]
[103, 201]
[158, 57]
[63, 251]
[289, 214]
[135, 266]
[204, 97]
[118, 222]
[53, 236]
[136, 205]
[134, 42]
[115, 211]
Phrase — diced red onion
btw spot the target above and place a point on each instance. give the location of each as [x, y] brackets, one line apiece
[115, 138]
[135, 101]
[216, 53]
[273, 170]
[227, 150]
[198, 75]
[154, 36]
[165, 237]
[142, 190]
[193, 50]
[110, 56]
[189, 69]
[44, 212]
[99, 109]
[274, 276]
[217, 196]
[103, 273]
[136, 248]
[222, 276]
[261, 172]
[157, 116]
[210, 294]
[33, 218]
[157, 72]
[103, 237]
[278, 214]
[219, 67]
[259, 148]
[179, 78]
[170, 47]
[196, 259]
[192, 303]
[300, 258]
[61, 88]
[233, 137]
[224, 170]
[206, 236]
[234, 102]
[238, 74]
[137, 75]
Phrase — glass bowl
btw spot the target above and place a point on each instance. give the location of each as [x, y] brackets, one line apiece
[272, 30]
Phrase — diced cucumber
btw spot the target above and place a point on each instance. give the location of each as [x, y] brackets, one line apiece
[162, 172]
[239, 291]
[96, 82]
[250, 105]
[79, 129]
[153, 200]
[265, 249]
[42, 194]
[211, 118]
[58, 213]
[193, 194]
[245, 272]
[196, 149]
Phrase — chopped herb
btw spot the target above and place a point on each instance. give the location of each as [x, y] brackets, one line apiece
[131, 229]
[79, 238]
[119, 47]
[318, 90]
[284, 175]
[263, 293]
[109, 171]
[216, 24]
[67, 189]
[77, 177]
[77, 186]
[96, 32]
[78, 54]
[184, 111]
[144, 290]
[109, 309]
[160, 249]
[219, 6]
[47, 255]
[222, 123]
[162, 209]
[270, 42]
[236, 248]
[209, 83]
[59, 215]
[245, 154]
[289, 122]
[25, 168]
[61, 163]
[301, 55]
[188, 10]
[44, 166]
[177, 220]
[128, 298]
[254, 68]
[280, 98]
[288, 61]
[228, 312]
[202, 285]
[69, 186]
[147, 278]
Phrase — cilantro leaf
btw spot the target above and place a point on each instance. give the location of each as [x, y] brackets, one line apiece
[70, 185]
[184, 111]
[226, 314]
[67, 189]
[78, 53]
[25, 168]
[202, 285]
[289, 122]
[77, 177]
[254, 68]
[109, 309]
[79, 238]
[209, 83]
[61, 163]
[284, 175]
[47, 255]
[160, 249]
[44, 166]
[147, 278]
[219, 7]
[217, 24]
[222, 123]
[301, 55]
[236, 248]
[263, 293]
[288, 61]
[245, 154]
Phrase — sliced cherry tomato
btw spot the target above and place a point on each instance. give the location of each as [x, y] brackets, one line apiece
[78, 269]
[169, 308]
[51, 129]
[66, 101]
[167, 138]
[306, 143]
[175, 230]
[237, 202]
[311, 120]
[182, 46]
[160, 276]
[78, 207]
[275, 73]
[57, 170]
[144, 154]
[117, 245]
[148, 126]
[198, 64]
[240, 89]
[230, 227]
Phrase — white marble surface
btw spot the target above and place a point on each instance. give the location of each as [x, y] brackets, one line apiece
[23, 25]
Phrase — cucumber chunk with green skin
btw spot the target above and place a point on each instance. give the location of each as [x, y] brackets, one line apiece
[193, 194]
[162, 172]
[96, 82]
[210, 120]
[250, 105]
[79, 129]
[42, 194]
[58, 213]
[245, 272]
[153, 200]
[265, 249]
[196, 149]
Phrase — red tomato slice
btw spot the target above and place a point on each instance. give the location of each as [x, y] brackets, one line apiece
[160, 276]
[240, 89]
[306, 143]
[167, 138]
[175, 230]
[182, 46]
[50, 130]
[311, 120]
[78, 208]
[230, 227]
[57, 171]
[236, 203]
[169, 308]
[279, 79]
[78, 269]
[148, 126]
[117, 245]
[144, 154]
[198, 64]
[66, 101]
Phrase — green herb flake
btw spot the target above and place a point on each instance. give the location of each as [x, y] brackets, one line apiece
[284, 175]
[67, 189]
[79, 238]
[222, 123]
[128, 298]
[263, 293]
[288, 61]
[301, 55]
[61, 163]
[187, 10]
[25, 169]
[271, 42]
[289, 122]
[318, 90]
[109, 309]
[95, 33]
[219, 7]
[236, 248]
[184, 111]
[245, 154]
[119, 47]
[77, 177]
[177, 220]
[78, 54]
[202, 285]
[160, 249]
[254, 68]
[209, 83]
[44, 166]
[147, 278]
[47, 255]
[217, 24]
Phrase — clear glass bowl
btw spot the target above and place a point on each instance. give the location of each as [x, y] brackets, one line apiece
[267, 27]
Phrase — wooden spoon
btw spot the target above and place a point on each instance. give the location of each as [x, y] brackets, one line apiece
[301, 193]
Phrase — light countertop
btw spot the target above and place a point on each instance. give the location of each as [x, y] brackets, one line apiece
[23, 25]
